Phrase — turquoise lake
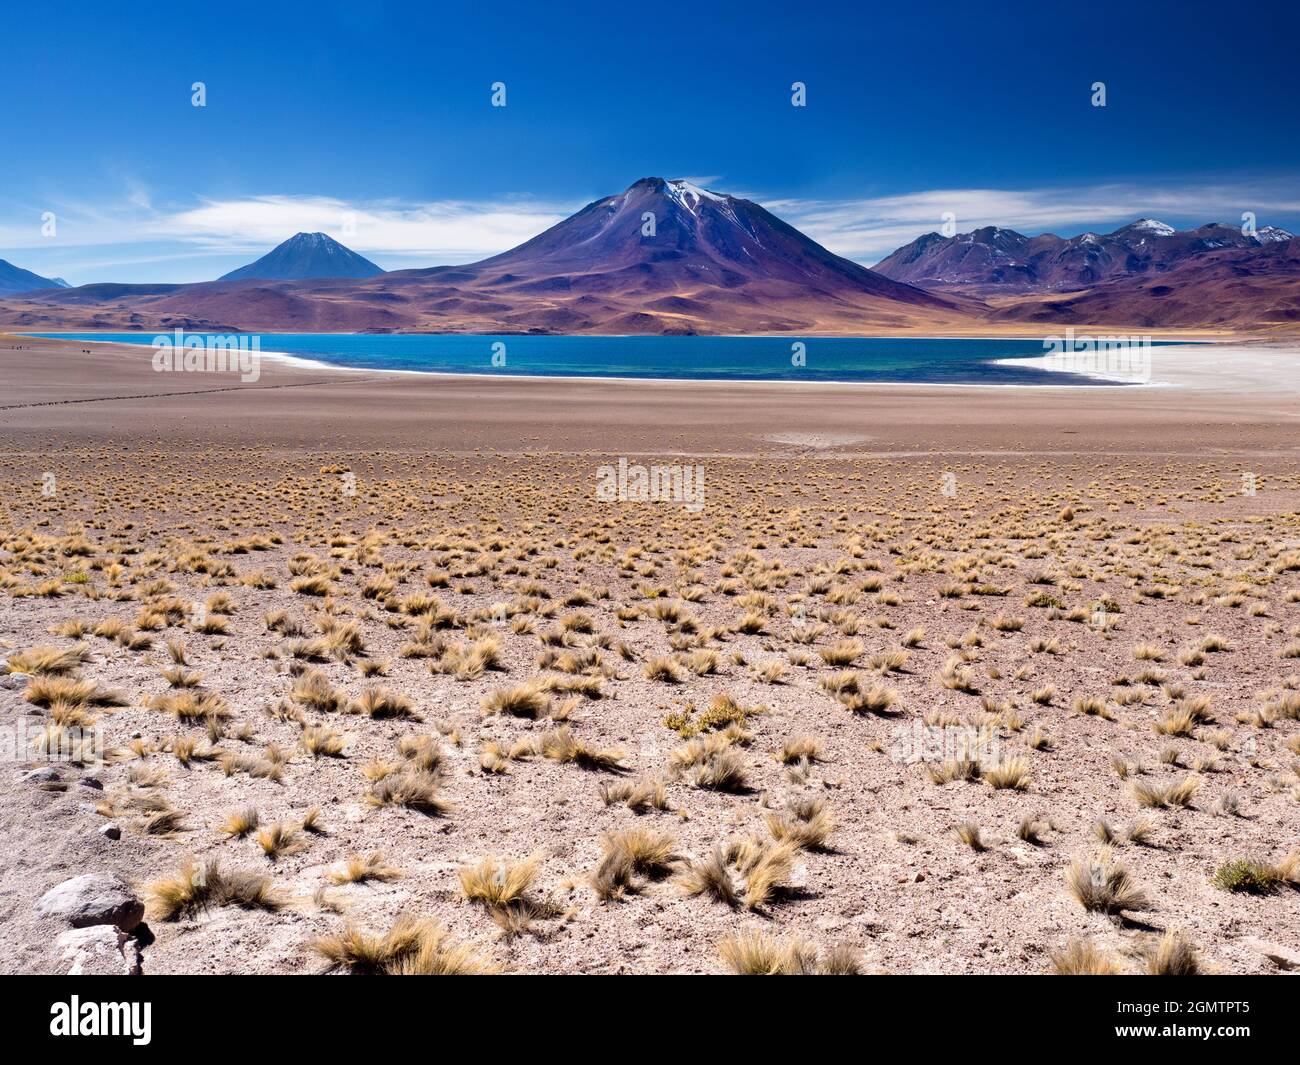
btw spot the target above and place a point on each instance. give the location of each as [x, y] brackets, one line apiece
[881, 359]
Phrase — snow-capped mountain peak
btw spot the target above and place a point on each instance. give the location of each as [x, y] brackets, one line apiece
[1269, 234]
[1150, 225]
[683, 191]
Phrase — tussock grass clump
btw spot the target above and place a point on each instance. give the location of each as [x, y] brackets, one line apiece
[711, 877]
[1031, 830]
[357, 869]
[1173, 955]
[469, 661]
[278, 840]
[701, 750]
[323, 742]
[798, 749]
[846, 686]
[412, 947]
[752, 952]
[496, 758]
[724, 770]
[968, 832]
[767, 867]
[314, 586]
[529, 700]
[413, 790]
[188, 705]
[47, 690]
[314, 690]
[664, 670]
[843, 653]
[263, 767]
[632, 857]
[381, 702]
[1090, 706]
[951, 769]
[421, 752]
[196, 886]
[560, 745]
[189, 749]
[1148, 652]
[956, 676]
[241, 822]
[1082, 957]
[877, 699]
[497, 883]
[807, 823]
[46, 661]
[1102, 885]
[1009, 774]
[638, 796]
[180, 677]
[1175, 722]
[1165, 795]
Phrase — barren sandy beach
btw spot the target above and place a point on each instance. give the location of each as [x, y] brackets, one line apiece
[373, 644]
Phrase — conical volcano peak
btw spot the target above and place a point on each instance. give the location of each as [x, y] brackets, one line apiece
[306, 255]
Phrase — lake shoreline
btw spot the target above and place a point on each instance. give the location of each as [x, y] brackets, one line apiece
[940, 362]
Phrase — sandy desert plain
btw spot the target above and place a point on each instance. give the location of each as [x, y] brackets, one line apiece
[382, 685]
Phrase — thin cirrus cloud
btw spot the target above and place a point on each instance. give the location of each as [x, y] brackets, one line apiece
[428, 233]
[448, 231]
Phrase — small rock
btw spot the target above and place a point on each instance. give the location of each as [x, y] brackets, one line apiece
[44, 775]
[93, 899]
[13, 681]
[111, 831]
[91, 782]
[1281, 956]
[100, 950]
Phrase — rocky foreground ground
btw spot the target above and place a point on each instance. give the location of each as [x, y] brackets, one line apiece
[415, 712]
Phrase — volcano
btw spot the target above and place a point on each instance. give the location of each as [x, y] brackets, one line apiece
[673, 236]
[306, 255]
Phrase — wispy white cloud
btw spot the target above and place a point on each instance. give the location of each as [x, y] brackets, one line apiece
[448, 231]
[444, 231]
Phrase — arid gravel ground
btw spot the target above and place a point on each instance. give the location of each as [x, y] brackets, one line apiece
[1098, 592]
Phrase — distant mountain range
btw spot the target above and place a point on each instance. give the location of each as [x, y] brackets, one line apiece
[306, 255]
[15, 279]
[993, 260]
[669, 257]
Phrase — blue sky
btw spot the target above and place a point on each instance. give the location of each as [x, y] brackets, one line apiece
[373, 121]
